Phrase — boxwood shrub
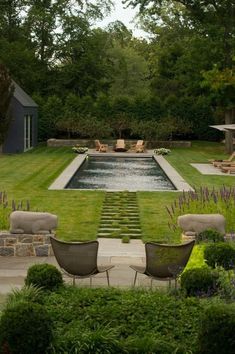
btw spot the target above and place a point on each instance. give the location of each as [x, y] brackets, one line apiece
[25, 327]
[45, 276]
[217, 330]
[220, 254]
[209, 235]
[199, 281]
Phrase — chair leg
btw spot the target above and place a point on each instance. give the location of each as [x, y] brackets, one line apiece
[175, 283]
[169, 284]
[90, 282]
[151, 283]
[135, 278]
[73, 280]
[107, 275]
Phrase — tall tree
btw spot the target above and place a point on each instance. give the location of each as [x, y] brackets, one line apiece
[6, 92]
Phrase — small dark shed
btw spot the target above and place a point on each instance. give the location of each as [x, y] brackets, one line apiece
[23, 130]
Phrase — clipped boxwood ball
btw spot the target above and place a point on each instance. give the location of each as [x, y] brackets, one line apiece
[44, 275]
[25, 328]
[217, 330]
[199, 281]
[209, 235]
[220, 254]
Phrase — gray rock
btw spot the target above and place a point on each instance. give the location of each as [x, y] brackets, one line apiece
[24, 250]
[196, 223]
[42, 251]
[32, 222]
[7, 251]
[10, 241]
[25, 238]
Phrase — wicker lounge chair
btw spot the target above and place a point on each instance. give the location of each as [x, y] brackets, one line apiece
[100, 147]
[120, 146]
[78, 259]
[164, 262]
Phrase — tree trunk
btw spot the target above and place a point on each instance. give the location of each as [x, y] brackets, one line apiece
[229, 134]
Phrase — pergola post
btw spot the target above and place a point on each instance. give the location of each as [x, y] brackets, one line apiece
[228, 133]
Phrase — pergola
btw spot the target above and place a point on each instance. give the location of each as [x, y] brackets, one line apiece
[228, 129]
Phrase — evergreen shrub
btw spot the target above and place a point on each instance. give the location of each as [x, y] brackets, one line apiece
[199, 281]
[45, 276]
[217, 330]
[220, 254]
[209, 235]
[25, 327]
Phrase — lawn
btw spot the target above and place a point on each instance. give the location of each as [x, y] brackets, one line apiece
[27, 177]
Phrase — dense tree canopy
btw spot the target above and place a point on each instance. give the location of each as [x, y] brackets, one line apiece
[171, 86]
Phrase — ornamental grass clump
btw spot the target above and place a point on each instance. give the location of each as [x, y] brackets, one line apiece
[7, 206]
[204, 201]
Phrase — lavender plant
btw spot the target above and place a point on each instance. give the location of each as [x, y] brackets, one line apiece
[7, 206]
[204, 201]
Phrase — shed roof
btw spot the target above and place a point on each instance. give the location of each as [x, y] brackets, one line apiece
[23, 97]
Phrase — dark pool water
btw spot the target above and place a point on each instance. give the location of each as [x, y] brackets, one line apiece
[120, 173]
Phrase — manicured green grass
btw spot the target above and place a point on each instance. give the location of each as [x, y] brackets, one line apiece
[27, 177]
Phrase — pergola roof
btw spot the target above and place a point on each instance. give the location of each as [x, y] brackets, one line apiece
[224, 127]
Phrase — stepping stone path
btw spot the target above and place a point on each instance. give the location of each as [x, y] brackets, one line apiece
[120, 216]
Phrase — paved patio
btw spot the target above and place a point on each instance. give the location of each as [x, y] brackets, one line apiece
[209, 169]
[13, 270]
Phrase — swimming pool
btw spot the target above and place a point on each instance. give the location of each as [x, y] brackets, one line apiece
[120, 173]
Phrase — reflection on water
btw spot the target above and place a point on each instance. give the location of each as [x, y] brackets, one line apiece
[120, 173]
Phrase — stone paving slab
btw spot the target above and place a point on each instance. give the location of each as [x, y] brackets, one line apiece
[209, 169]
[13, 270]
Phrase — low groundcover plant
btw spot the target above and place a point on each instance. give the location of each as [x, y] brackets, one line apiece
[162, 151]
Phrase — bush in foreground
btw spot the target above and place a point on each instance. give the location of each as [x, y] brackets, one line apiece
[220, 254]
[217, 331]
[199, 281]
[44, 276]
[209, 236]
[25, 328]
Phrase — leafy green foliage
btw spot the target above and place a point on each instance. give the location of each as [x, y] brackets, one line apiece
[220, 254]
[216, 333]
[29, 293]
[25, 327]
[6, 92]
[80, 315]
[199, 281]
[209, 235]
[45, 276]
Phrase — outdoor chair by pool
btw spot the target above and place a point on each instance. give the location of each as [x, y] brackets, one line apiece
[139, 147]
[218, 163]
[120, 146]
[100, 147]
[164, 262]
[78, 259]
[228, 169]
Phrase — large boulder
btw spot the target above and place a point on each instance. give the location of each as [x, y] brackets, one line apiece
[192, 224]
[28, 222]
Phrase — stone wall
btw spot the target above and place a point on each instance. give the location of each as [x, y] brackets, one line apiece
[90, 143]
[22, 245]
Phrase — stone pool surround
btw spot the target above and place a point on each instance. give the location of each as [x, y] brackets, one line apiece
[177, 180]
[23, 245]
